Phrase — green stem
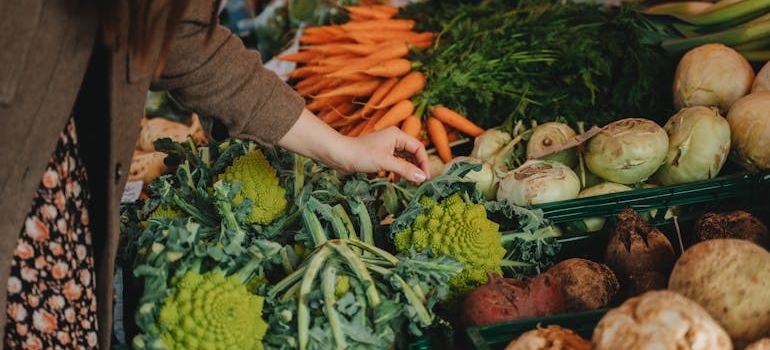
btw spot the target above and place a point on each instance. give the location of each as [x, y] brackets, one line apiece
[312, 224]
[730, 37]
[358, 268]
[412, 298]
[328, 285]
[306, 286]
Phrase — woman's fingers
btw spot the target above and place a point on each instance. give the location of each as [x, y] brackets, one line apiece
[392, 150]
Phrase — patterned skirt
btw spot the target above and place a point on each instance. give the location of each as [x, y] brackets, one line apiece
[51, 290]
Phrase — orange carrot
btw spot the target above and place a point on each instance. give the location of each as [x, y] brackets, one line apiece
[411, 125]
[373, 120]
[331, 29]
[321, 85]
[373, 12]
[439, 138]
[386, 53]
[359, 88]
[390, 69]
[373, 37]
[338, 48]
[456, 120]
[395, 114]
[321, 38]
[337, 112]
[341, 59]
[309, 80]
[301, 56]
[308, 70]
[358, 128]
[379, 24]
[407, 86]
[378, 95]
[354, 117]
[318, 103]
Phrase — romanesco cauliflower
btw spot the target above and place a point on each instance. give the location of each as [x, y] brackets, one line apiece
[460, 229]
[211, 311]
[259, 183]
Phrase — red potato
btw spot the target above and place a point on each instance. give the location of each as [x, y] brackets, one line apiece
[507, 299]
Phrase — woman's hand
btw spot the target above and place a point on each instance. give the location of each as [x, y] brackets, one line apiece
[384, 150]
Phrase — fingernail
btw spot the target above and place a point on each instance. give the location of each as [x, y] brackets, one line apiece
[419, 177]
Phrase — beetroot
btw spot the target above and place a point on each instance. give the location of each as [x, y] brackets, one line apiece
[507, 299]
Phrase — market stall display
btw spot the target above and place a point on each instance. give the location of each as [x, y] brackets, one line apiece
[527, 211]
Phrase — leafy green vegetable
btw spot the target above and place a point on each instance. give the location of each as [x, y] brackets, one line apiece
[502, 61]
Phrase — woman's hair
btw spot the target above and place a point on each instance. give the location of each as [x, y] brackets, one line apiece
[146, 26]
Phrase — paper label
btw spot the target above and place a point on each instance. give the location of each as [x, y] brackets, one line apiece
[132, 191]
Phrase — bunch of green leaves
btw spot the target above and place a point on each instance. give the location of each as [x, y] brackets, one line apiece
[540, 60]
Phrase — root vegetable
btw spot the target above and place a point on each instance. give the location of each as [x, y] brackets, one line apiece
[147, 166]
[762, 80]
[550, 134]
[159, 127]
[730, 278]
[736, 224]
[552, 337]
[711, 75]
[699, 142]
[627, 151]
[585, 284]
[538, 181]
[507, 299]
[660, 319]
[640, 255]
[762, 344]
[749, 120]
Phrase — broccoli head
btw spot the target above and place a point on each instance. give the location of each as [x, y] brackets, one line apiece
[460, 229]
[212, 311]
[259, 183]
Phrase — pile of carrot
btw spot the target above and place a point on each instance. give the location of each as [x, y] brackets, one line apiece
[360, 76]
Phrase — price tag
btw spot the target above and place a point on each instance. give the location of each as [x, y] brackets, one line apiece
[132, 191]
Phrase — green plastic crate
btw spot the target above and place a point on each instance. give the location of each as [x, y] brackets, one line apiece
[746, 191]
[499, 335]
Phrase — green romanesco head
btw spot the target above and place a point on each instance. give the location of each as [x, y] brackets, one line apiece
[211, 311]
[460, 229]
[259, 183]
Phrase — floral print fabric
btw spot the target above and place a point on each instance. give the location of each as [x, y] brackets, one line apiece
[51, 290]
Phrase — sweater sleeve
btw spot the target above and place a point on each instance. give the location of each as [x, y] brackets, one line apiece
[217, 76]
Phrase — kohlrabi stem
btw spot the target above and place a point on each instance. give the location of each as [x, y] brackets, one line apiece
[314, 266]
[328, 285]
